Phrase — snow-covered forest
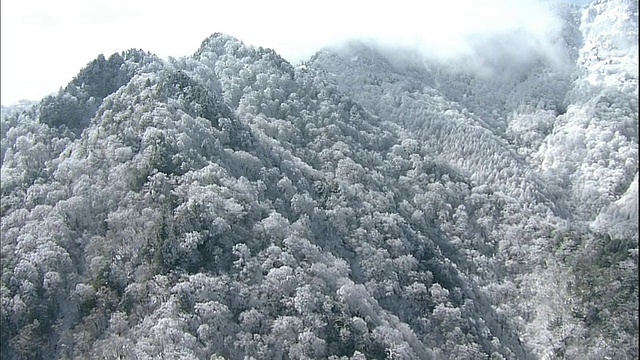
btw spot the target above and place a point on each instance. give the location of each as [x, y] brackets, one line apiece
[360, 205]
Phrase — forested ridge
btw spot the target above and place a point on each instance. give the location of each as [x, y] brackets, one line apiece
[360, 205]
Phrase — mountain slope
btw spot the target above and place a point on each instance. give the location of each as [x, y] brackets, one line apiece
[168, 186]
[228, 204]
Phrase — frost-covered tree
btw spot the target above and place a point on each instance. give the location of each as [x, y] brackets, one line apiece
[231, 205]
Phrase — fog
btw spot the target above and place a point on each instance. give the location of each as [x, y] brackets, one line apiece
[44, 44]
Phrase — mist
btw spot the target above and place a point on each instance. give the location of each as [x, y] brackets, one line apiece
[45, 44]
[484, 37]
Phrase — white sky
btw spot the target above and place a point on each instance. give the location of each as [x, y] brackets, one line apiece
[45, 43]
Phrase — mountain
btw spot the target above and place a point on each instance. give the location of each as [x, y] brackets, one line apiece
[366, 203]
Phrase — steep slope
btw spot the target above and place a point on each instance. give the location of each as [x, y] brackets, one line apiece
[593, 150]
[523, 134]
[284, 222]
[227, 204]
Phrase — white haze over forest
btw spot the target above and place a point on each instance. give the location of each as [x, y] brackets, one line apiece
[36, 30]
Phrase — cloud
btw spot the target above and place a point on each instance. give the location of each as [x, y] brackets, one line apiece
[44, 43]
[481, 35]
[462, 30]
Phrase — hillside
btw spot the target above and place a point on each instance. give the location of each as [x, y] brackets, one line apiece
[363, 204]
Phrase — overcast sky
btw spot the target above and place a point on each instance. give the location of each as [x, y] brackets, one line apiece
[45, 43]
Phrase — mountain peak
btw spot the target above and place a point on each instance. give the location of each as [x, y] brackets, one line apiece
[218, 43]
